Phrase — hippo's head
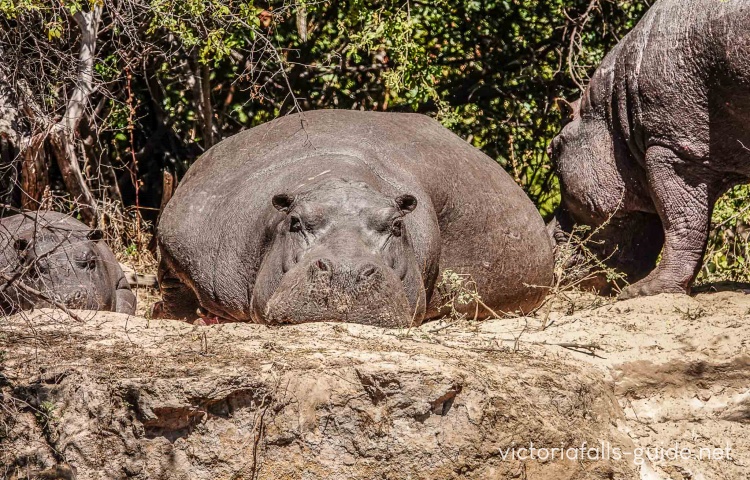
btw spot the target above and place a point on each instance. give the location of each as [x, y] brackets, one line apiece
[341, 251]
[60, 258]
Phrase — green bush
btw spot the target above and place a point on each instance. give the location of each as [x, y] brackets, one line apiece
[728, 254]
[173, 77]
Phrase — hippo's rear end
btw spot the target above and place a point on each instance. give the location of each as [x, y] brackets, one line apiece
[663, 130]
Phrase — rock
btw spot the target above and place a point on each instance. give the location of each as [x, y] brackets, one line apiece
[136, 279]
[123, 397]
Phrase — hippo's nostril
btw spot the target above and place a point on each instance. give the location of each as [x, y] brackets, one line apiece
[323, 265]
[367, 272]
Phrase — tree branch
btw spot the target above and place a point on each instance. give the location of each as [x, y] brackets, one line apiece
[208, 113]
[37, 294]
[62, 135]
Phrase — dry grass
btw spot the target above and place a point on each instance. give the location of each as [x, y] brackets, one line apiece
[128, 235]
[575, 266]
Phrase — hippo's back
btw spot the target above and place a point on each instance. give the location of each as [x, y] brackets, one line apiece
[681, 77]
[56, 224]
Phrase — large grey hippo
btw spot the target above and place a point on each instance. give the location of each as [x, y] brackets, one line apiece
[662, 130]
[48, 258]
[347, 216]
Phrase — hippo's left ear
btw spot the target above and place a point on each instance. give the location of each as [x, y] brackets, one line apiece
[283, 202]
[406, 203]
[95, 235]
[21, 244]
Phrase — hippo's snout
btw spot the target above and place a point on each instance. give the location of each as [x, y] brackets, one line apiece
[327, 289]
[346, 277]
[321, 266]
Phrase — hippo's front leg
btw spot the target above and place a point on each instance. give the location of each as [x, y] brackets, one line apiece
[684, 194]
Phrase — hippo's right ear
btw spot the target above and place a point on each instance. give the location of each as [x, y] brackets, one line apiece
[283, 202]
[95, 235]
[568, 109]
[406, 203]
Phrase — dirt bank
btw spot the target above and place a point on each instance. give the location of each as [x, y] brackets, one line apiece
[122, 397]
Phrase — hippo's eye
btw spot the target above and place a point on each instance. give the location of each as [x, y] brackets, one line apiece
[86, 262]
[41, 268]
[295, 224]
[397, 227]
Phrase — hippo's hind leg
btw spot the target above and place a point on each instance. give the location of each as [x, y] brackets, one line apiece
[683, 194]
[178, 299]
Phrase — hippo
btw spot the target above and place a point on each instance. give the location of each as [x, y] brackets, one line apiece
[660, 133]
[49, 259]
[347, 216]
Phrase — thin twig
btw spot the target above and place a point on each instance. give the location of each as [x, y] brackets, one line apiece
[36, 293]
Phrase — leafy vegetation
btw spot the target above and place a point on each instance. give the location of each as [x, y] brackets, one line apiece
[728, 255]
[170, 78]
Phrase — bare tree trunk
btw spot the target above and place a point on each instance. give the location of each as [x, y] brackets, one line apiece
[302, 21]
[8, 172]
[169, 185]
[105, 177]
[34, 173]
[208, 113]
[62, 134]
[10, 138]
[198, 79]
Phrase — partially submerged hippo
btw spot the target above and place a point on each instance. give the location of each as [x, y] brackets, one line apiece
[662, 130]
[63, 260]
[347, 216]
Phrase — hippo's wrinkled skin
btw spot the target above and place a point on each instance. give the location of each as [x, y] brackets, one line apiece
[346, 216]
[662, 130]
[63, 259]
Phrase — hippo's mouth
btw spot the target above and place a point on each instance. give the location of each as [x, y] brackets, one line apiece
[305, 305]
[206, 318]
